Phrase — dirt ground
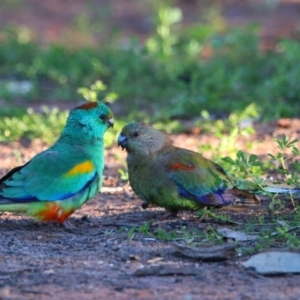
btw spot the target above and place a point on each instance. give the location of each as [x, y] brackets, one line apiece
[97, 259]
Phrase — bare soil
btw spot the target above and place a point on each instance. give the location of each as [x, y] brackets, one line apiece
[98, 260]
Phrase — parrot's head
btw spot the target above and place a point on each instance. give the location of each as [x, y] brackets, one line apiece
[142, 139]
[89, 121]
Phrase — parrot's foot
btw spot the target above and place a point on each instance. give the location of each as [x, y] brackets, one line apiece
[68, 226]
[145, 205]
[171, 216]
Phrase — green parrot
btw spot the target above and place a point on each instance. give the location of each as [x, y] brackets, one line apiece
[59, 180]
[179, 179]
[176, 178]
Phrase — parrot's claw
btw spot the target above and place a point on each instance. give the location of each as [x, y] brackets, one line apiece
[171, 214]
[145, 205]
[68, 226]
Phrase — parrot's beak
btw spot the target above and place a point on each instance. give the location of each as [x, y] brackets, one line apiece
[122, 141]
[110, 123]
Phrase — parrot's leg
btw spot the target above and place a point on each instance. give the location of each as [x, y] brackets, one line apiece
[171, 214]
[145, 205]
[68, 225]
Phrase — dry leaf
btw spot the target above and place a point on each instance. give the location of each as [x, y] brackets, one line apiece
[206, 252]
[238, 236]
[274, 262]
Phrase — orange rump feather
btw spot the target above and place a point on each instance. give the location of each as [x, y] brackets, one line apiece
[53, 212]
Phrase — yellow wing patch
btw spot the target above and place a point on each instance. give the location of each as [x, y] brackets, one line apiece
[82, 168]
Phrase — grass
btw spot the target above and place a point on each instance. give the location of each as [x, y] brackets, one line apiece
[172, 66]
[272, 231]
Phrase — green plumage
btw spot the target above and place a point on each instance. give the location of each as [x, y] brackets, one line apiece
[176, 178]
[59, 180]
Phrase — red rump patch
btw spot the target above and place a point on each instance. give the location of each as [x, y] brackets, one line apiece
[87, 106]
[53, 212]
[181, 167]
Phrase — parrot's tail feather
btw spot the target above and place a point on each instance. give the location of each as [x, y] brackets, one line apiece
[246, 201]
[232, 197]
[236, 197]
[244, 198]
[281, 190]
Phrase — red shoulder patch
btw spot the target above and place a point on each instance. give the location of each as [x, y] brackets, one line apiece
[87, 106]
[181, 167]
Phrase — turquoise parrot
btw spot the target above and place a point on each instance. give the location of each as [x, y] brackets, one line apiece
[176, 178]
[59, 180]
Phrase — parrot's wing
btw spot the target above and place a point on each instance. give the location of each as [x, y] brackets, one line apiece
[197, 178]
[49, 176]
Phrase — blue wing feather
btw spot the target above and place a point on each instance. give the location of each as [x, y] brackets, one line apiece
[218, 198]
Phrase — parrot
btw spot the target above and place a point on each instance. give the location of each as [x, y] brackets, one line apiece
[59, 180]
[176, 178]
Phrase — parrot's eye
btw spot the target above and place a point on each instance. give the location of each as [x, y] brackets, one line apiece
[103, 117]
[135, 134]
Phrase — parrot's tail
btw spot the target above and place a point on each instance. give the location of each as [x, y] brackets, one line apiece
[267, 187]
[281, 190]
[244, 198]
[230, 198]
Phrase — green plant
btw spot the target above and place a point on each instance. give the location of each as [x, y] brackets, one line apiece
[162, 44]
[131, 233]
[291, 178]
[203, 213]
[97, 92]
[249, 166]
[169, 76]
[229, 130]
[46, 125]
[123, 174]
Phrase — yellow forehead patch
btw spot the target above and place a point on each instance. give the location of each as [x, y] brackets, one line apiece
[82, 168]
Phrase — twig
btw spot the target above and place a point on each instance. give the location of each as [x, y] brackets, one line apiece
[111, 190]
[120, 225]
[288, 230]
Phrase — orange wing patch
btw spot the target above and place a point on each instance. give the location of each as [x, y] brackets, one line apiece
[181, 167]
[53, 212]
[82, 168]
[87, 106]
